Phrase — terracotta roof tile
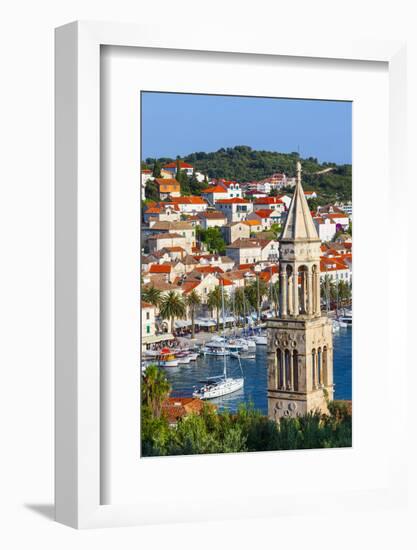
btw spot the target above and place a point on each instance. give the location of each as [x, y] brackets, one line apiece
[160, 268]
[264, 213]
[209, 269]
[214, 189]
[235, 200]
[167, 181]
[174, 165]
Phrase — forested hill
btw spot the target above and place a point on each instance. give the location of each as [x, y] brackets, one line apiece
[242, 164]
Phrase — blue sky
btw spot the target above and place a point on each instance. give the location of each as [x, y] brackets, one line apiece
[179, 124]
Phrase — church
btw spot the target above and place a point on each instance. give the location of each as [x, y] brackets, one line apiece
[300, 340]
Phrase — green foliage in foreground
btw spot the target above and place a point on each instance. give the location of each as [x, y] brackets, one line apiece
[247, 430]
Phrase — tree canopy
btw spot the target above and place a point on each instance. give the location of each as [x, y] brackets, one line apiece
[242, 163]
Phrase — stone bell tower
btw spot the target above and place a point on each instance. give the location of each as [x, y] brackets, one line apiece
[300, 341]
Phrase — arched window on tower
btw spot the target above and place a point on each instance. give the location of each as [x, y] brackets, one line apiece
[313, 368]
[324, 360]
[295, 369]
[319, 367]
[316, 289]
[289, 293]
[280, 380]
[287, 369]
[303, 288]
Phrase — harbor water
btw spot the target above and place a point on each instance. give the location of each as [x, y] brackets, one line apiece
[185, 378]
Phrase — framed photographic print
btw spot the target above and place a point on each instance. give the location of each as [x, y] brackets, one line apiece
[207, 201]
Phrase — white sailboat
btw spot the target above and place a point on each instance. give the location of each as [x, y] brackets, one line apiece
[218, 386]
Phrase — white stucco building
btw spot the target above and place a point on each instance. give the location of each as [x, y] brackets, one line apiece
[326, 228]
[236, 210]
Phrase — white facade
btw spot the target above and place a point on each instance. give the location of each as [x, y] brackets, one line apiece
[266, 221]
[233, 189]
[214, 194]
[235, 210]
[148, 321]
[167, 240]
[191, 205]
[266, 204]
[242, 254]
[145, 176]
[270, 252]
[326, 229]
[285, 199]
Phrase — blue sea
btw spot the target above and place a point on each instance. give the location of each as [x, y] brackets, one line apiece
[185, 377]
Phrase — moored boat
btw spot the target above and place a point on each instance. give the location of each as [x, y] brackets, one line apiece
[218, 386]
[261, 340]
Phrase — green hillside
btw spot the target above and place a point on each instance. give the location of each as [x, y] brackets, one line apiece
[242, 164]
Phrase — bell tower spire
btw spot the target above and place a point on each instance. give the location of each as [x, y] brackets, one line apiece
[299, 259]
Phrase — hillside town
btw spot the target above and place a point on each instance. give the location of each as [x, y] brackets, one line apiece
[226, 236]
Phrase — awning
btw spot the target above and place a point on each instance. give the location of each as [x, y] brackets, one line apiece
[157, 338]
[205, 322]
[227, 319]
[182, 324]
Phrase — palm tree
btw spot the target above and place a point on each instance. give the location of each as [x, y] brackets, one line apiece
[193, 300]
[255, 292]
[327, 290]
[172, 307]
[344, 292]
[155, 389]
[152, 295]
[240, 302]
[275, 296]
[214, 301]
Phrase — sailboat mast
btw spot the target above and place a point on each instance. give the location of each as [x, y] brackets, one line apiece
[224, 339]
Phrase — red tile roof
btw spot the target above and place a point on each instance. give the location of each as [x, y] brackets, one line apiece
[209, 269]
[174, 249]
[252, 222]
[174, 165]
[167, 181]
[174, 408]
[245, 243]
[144, 305]
[332, 264]
[215, 189]
[271, 269]
[188, 200]
[332, 216]
[160, 268]
[212, 215]
[226, 282]
[235, 200]
[165, 236]
[264, 213]
[229, 183]
[188, 286]
[269, 200]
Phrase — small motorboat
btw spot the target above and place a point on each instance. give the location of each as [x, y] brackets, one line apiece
[243, 355]
[167, 358]
[216, 352]
[183, 358]
[261, 340]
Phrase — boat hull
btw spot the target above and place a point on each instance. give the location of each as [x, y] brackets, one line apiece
[225, 387]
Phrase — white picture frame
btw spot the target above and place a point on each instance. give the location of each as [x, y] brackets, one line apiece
[78, 321]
